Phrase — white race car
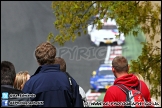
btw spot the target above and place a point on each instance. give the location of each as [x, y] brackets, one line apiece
[107, 34]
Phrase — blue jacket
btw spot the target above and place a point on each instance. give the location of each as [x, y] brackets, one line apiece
[52, 86]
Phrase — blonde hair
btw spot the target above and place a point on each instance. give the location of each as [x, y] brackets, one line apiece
[21, 79]
[139, 76]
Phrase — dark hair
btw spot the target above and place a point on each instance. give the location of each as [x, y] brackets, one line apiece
[120, 64]
[45, 53]
[61, 62]
[8, 73]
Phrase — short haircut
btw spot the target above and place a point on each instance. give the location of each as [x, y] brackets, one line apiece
[120, 64]
[61, 62]
[21, 79]
[45, 53]
[8, 73]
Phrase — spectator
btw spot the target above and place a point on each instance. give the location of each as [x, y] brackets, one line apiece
[21, 78]
[50, 84]
[62, 63]
[140, 77]
[8, 75]
[120, 70]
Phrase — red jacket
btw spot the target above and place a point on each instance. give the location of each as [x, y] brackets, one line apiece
[115, 94]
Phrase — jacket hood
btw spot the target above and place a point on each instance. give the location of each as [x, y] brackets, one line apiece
[129, 80]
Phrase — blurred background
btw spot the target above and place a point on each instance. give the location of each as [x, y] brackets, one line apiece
[26, 24]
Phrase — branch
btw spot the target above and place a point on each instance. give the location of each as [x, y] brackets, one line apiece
[77, 30]
[88, 8]
[85, 13]
[147, 67]
[156, 47]
[153, 18]
[82, 15]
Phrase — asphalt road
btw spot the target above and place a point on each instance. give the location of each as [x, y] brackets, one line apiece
[25, 24]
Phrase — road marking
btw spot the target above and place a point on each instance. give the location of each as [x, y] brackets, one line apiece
[107, 54]
[92, 96]
[118, 52]
[112, 56]
[115, 51]
[117, 48]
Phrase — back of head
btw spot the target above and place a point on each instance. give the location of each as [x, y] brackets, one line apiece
[120, 64]
[21, 79]
[8, 73]
[61, 62]
[45, 53]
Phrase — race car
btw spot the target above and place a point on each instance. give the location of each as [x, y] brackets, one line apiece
[108, 34]
[102, 78]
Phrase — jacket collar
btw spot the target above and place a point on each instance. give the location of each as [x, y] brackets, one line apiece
[43, 68]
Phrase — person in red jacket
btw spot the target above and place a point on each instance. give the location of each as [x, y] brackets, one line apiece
[120, 70]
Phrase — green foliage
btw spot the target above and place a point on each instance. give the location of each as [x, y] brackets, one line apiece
[148, 64]
[72, 18]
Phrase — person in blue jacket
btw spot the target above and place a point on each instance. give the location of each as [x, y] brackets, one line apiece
[62, 63]
[50, 85]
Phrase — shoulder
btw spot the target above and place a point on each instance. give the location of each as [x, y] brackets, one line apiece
[73, 80]
[111, 93]
[17, 91]
[113, 87]
[113, 90]
[10, 90]
[143, 84]
[46, 76]
[30, 82]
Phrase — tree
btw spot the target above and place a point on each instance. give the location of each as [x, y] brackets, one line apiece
[73, 17]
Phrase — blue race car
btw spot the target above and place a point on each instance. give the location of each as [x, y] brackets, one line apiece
[102, 78]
